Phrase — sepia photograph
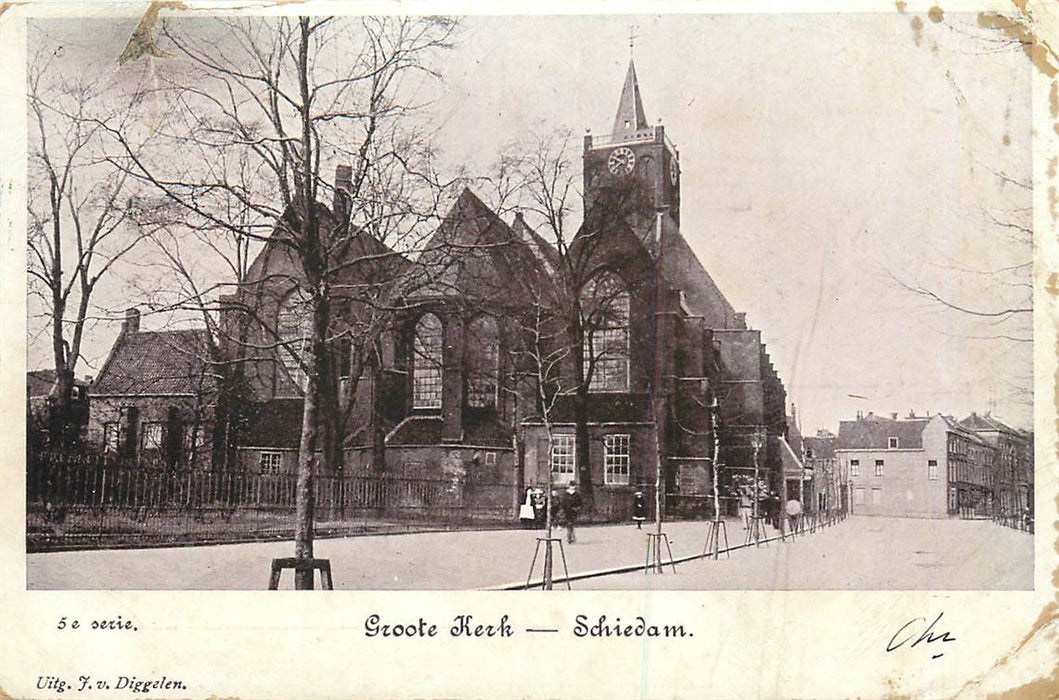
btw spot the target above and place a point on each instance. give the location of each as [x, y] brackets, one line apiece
[584, 350]
[555, 302]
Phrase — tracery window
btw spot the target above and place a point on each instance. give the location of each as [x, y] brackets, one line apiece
[292, 331]
[426, 363]
[606, 352]
[483, 361]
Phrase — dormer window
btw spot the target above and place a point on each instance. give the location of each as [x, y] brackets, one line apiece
[891, 443]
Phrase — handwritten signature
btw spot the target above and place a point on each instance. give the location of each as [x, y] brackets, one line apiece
[928, 635]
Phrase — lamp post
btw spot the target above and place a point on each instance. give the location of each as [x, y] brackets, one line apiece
[757, 438]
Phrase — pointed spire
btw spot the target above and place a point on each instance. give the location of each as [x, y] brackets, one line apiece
[630, 116]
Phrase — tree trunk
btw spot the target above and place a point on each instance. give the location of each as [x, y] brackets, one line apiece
[307, 450]
[60, 428]
[581, 447]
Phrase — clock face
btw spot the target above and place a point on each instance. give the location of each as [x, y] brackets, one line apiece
[674, 171]
[621, 161]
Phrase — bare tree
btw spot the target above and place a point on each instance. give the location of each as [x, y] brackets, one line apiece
[542, 181]
[82, 211]
[283, 101]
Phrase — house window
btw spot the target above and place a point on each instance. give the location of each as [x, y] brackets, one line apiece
[563, 458]
[151, 437]
[292, 331]
[111, 437]
[858, 497]
[271, 462]
[490, 458]
[808, 453]
[876, 497]
[891, 443]
[616, 459]
[854, 467]
[878, 467]
[606, 351]
[426, 363]
[483, 362]
[932, 469]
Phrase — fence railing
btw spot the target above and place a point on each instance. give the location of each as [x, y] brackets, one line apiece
[84, 499]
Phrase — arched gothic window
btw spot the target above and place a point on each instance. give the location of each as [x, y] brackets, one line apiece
[605, 303]
[426, 363]
[292, 329]
[483, 361]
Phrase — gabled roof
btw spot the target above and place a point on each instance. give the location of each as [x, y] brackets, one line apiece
[819, 447]
[156, 363]
[39, 382]
[986, 423]
[474, 254]
[630, 107]
[684, 270]
[545, 252]
[873, 433]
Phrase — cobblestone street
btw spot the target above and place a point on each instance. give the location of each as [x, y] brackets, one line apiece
[860, 553]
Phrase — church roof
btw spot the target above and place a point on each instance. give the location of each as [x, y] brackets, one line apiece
[685, 270]
[630, 116]
[474, 254]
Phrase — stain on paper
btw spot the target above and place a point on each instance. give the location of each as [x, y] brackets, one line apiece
[141, 43]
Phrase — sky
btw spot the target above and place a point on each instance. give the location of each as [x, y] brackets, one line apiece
[823, 158]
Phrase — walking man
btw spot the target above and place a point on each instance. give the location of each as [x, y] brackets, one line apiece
[570, 504]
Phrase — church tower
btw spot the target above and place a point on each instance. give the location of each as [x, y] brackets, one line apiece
[635, 154]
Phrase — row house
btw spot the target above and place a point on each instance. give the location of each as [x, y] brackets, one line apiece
[916, 466]
[1012, 468]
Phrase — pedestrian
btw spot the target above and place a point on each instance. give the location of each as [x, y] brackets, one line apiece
[745, 508]
[540, 503]
[570, 506]
[526, 515]
[794, 513]
[639, 509]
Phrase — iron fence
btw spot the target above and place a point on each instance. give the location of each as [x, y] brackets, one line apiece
[84, 500]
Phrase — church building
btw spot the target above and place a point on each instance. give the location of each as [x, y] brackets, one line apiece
[666, 380]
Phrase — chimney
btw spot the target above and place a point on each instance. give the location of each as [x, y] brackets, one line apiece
[132, 321]
[893, 416]
[860, 415]
[911, 413]
[343, 187]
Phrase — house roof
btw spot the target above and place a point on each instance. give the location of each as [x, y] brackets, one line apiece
[820, 447]
[986, 423]
[156, 363]
[873, 433]
[39, 382]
